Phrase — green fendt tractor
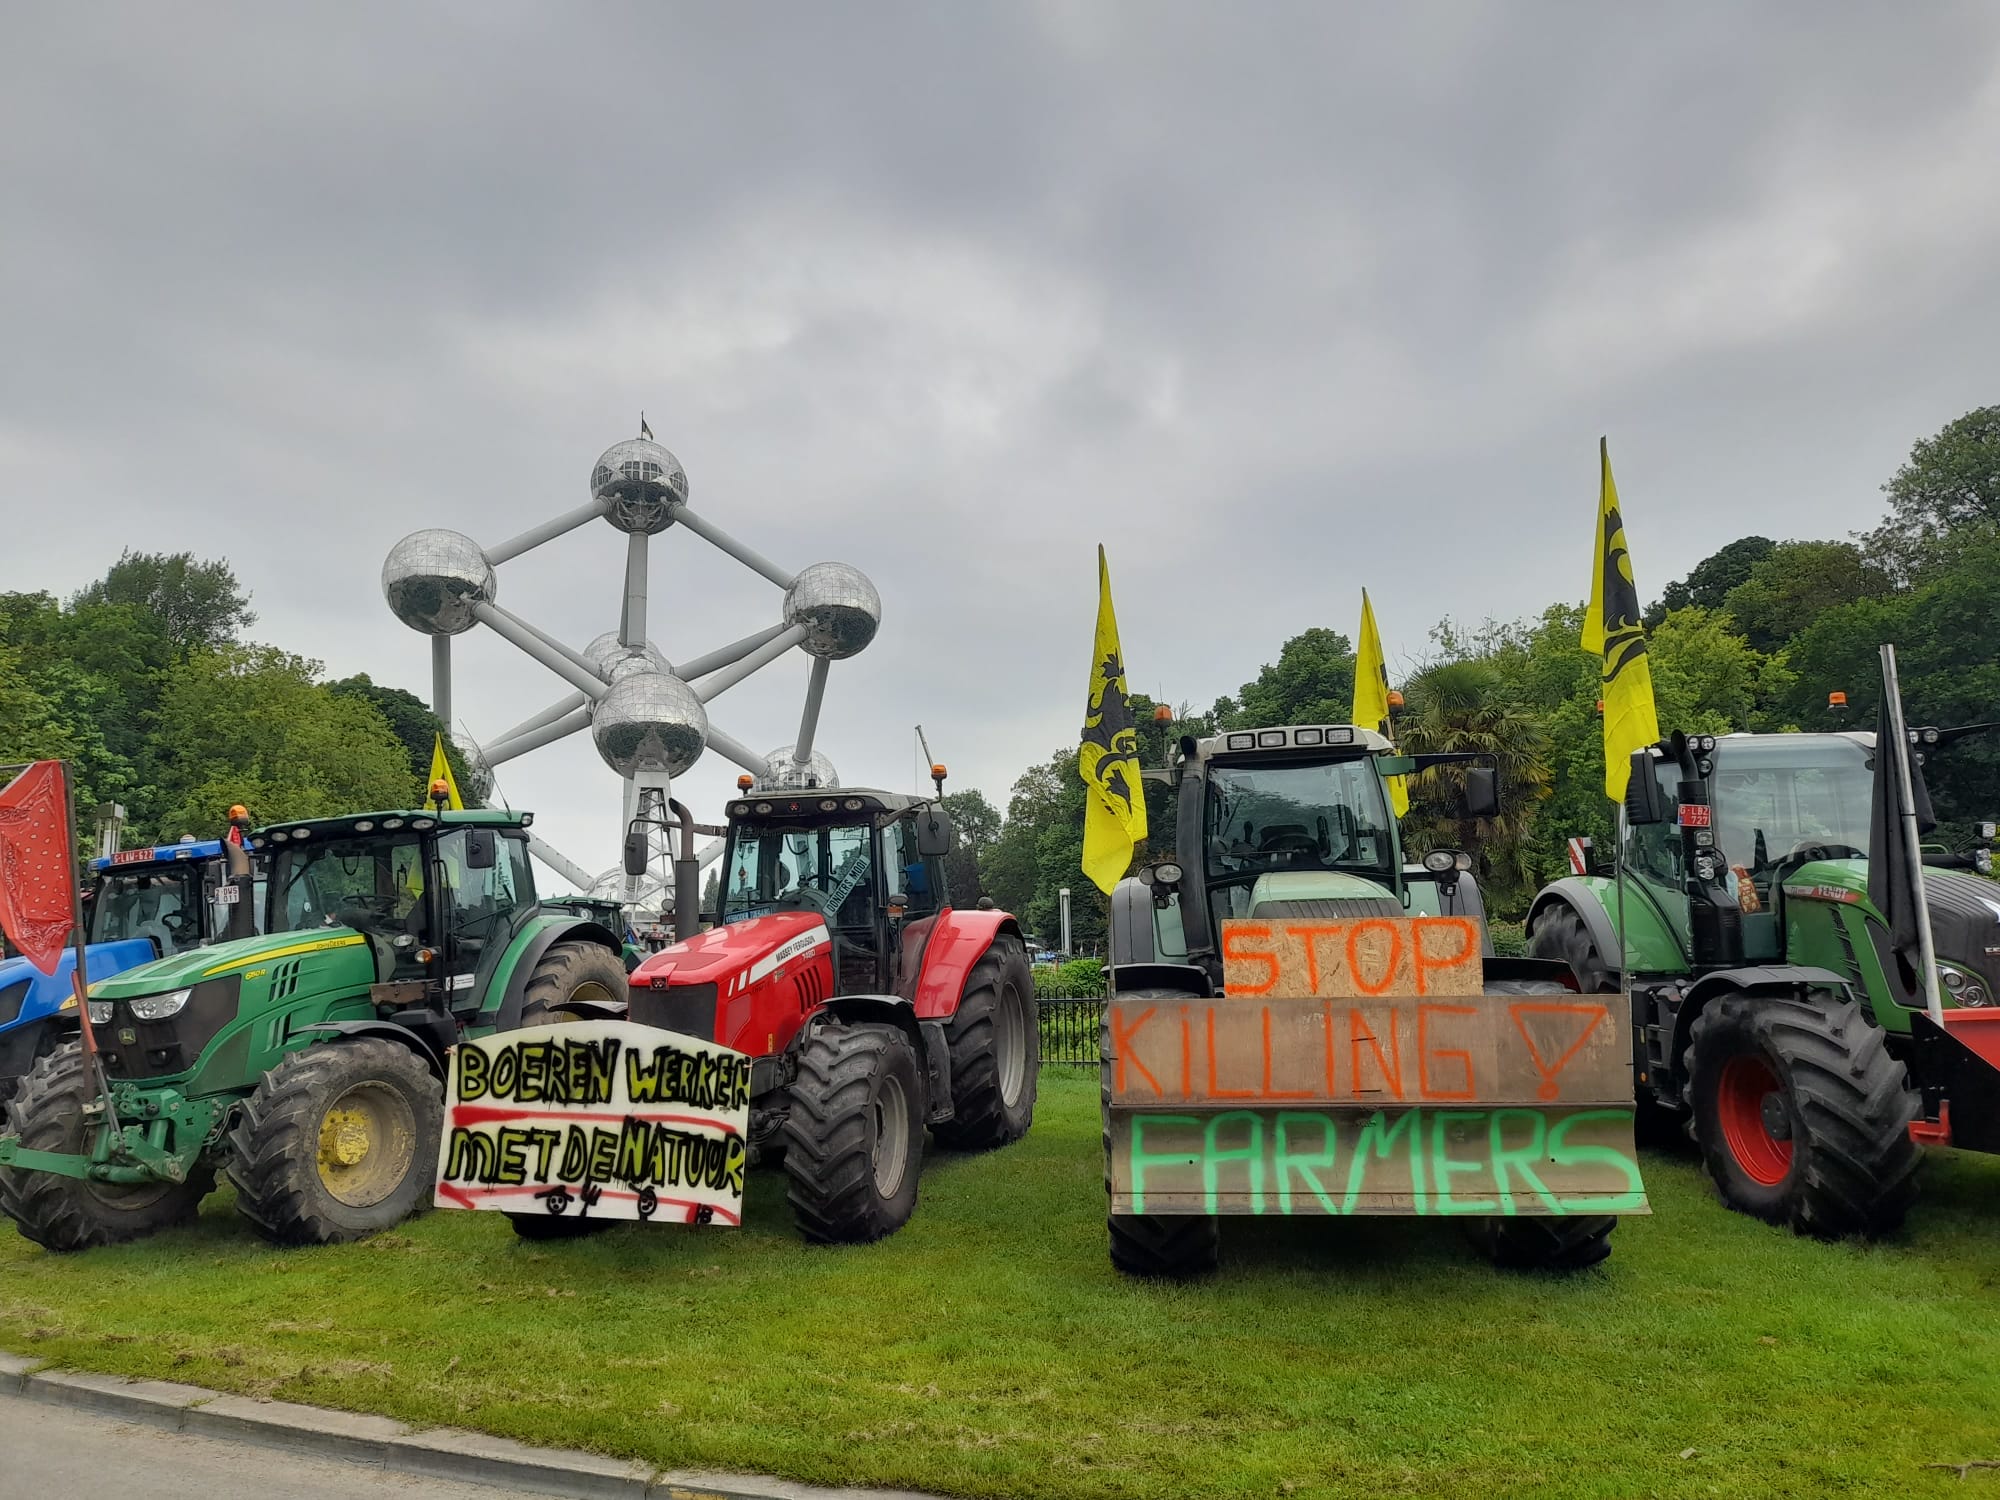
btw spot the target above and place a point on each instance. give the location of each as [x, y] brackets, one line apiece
[306, 1062]
[1294, 824]
[1772, 1014]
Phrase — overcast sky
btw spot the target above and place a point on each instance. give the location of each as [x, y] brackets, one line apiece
[1275, 301]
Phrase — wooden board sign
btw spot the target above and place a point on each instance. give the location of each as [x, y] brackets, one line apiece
[600, 1119]
[1359, 1066]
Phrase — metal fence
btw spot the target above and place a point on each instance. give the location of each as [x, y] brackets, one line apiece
[1069, 1030]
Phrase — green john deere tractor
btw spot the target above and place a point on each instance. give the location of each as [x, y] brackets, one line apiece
[307, 1062]
[1774, 1016]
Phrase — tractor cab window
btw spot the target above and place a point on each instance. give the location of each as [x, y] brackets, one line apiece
[163, 905]
[1264, 819]
[906, 873]
[1807, 796]
[820, 868]
[480, 905]
[374, 885]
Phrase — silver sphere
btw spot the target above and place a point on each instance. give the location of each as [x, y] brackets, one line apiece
[789, 774]
[433, 578]
[613, 659]
[649, 721]
[838, 606]
[641, 483]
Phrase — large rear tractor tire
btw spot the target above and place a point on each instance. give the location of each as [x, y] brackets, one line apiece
[574, 970]
[568, 971]
[68, 1213]
[995, 1052]
[1801, 1114]
[1167, 1247]
[1561, 935]
[854, 1138]
[1542, 1244]
[339, 1141]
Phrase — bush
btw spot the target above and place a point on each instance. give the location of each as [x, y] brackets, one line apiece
[1079, 979]
[1510, 939]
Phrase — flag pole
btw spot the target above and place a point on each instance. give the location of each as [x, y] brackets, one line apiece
[80, 974]
[1926, 945]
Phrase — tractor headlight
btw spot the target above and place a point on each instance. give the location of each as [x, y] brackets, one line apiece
[1965, 989]
[157, 1007]
[100, 1012]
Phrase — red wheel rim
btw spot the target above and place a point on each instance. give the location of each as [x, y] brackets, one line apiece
[1740, 1095]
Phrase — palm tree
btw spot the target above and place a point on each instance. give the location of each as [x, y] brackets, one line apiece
[1462, 706]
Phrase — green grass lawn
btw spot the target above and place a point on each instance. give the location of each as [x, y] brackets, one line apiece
[989, 1349]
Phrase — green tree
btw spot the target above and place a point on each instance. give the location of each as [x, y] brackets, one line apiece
[1311, 682]
[199, 604]
[1712, 578]
[1947, 491]
[975, 825]
[1790, 588]
[254, 725]
[410, 719]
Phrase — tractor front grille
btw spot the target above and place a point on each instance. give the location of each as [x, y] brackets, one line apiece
[686, 1008]
[1332, 906]
[159, 1049]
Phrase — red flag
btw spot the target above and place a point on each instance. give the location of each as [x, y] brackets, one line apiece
[35, 874]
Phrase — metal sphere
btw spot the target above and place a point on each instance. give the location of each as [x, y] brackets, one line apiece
[789, 774]
[613, 659]
[649, 721]
[642, 485]
[838, 606]
[433, 578]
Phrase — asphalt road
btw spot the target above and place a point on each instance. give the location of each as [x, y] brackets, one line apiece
[56, 1452]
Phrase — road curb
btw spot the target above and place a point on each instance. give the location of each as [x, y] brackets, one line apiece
[355, 1437]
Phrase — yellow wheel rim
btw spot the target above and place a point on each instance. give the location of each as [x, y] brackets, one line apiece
[367, 1140]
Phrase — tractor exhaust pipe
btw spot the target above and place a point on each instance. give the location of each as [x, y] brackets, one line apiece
[242, 879]
[687, 877]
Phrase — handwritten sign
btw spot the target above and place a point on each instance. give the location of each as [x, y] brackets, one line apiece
[603, 1119]
[1359, 1066]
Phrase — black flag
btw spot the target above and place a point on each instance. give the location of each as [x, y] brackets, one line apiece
[1889, 853]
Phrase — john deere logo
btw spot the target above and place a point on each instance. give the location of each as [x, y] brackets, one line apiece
[128, 1036]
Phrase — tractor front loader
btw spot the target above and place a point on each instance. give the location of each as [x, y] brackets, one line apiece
[1751, 924]
[306, 1062]
[1301, 1024]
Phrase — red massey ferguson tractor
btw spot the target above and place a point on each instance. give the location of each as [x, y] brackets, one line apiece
[871, 1007]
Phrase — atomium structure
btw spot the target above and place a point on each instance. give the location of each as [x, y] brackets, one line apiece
[647, 715]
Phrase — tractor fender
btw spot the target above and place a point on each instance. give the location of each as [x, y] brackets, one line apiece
[507, 1016]
[1772, 979]
[429, 1036]
[1572, 891]
[933, 1053]
[959, 941]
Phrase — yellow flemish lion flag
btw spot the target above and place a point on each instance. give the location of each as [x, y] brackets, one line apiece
[1114, 808]
[441, 771]
[1613, 631]
[1371, 695]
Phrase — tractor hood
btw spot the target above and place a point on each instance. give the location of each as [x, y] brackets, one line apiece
[184, 969]
[760, 941]
[1965, 911]
[1321, 893]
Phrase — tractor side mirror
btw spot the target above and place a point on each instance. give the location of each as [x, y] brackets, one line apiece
[638, 853]
[481, 849]
[1482, 792]
[1644, 805]
[934, 833]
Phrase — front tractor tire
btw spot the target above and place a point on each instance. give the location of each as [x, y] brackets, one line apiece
[339, 1141]
[1542, 1244]
[854, 1137]
[1163, 1247]
[69, 1213]
[1802, 1115]
[995, 1052]
[1561, 935]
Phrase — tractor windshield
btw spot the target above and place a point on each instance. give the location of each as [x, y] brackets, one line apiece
[374, 885]
[812, 867]
[163, 903]
[1789, 795]
[1328, 815]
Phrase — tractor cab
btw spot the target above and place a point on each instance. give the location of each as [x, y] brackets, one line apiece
[1293, 821]
[178, 896]
[437, 895]
[869, 863]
